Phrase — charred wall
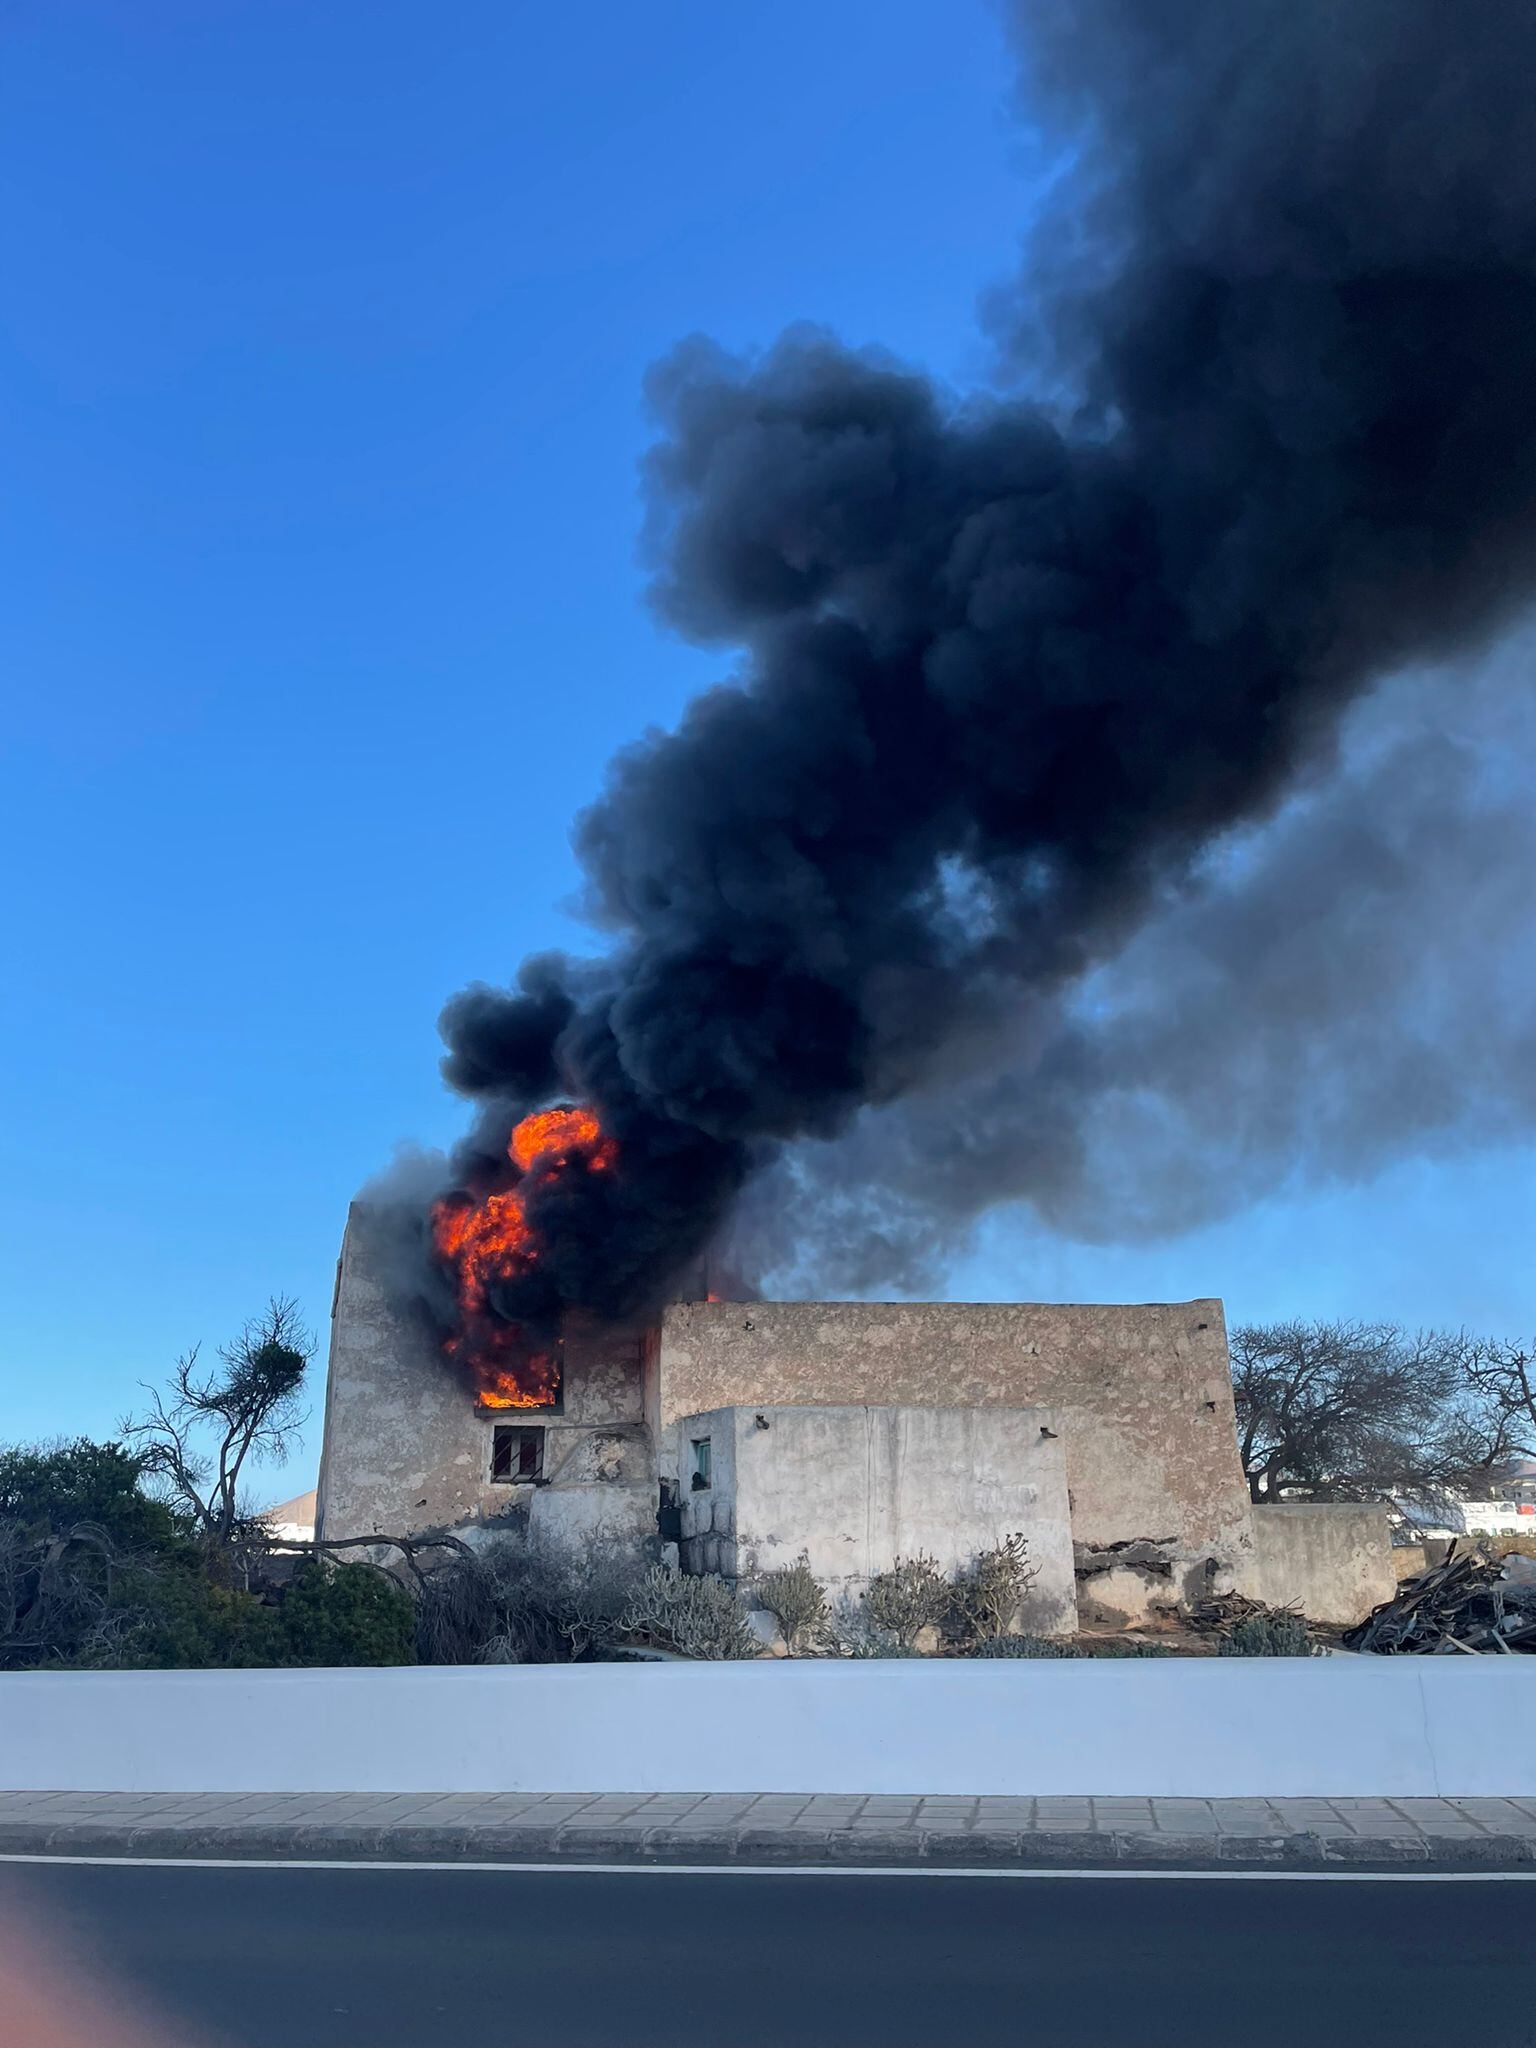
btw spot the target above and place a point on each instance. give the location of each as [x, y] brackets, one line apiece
[406, 1447]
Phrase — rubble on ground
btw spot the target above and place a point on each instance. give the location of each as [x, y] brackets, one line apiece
[1219, 1613]
[1472, 1603]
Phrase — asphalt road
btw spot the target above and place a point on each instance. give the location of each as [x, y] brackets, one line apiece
[360, 1958]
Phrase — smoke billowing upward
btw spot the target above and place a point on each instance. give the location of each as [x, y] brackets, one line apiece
[1010, 668]
[1347, 981]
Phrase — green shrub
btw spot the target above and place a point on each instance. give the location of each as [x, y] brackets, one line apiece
[334, 1614]
[1274, 1633]
[1027, 1646]
[1065, 1646]
[175, 1619]
[913, 1595]
[851, 1632]
[75, 1529]
[57, 1486]
[796, 1599]
[172, 1618]
[696, 1617]
[985, 1596]
[97, 1575]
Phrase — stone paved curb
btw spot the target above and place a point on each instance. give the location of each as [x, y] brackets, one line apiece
[787, 1847]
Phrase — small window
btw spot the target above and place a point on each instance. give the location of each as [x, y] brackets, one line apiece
[700, 1463]
[517, 1455]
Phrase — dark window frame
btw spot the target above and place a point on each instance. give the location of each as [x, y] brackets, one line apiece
[517, 1454]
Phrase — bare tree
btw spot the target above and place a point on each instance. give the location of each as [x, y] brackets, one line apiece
[1347, 1411]
[199, 1436]
[1504, 1377]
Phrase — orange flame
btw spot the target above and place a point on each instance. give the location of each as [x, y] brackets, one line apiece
[535, 1383]
[553, 1135]
[490, 1241]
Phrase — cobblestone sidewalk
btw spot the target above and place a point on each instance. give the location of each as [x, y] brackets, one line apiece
[782, 1829]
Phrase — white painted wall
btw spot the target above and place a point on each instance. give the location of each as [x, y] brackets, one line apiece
[1207, 1728]
[855, 1488]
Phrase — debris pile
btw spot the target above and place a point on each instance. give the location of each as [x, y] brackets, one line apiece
[1471, 1603]
[1220, 1613]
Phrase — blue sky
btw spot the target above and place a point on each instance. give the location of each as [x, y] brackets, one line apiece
[324, 333]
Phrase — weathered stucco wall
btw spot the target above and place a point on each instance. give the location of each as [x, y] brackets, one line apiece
[1143, 1397]
[855, 1488]
[406, 1449]
[1144, 1394]
[1334, 1563]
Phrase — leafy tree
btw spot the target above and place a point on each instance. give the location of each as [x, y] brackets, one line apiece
[1348, 1411]
[95, 1570]
[58, 1486]
[79, 1544]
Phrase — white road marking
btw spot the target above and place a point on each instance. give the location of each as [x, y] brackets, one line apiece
[1173, 1876]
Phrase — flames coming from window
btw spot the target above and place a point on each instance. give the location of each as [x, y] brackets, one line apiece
[490, 1242]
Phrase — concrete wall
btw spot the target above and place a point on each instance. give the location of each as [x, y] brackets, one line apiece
[856, 1488]
[1334, 1563]
[406, 1448]
[1144, 1394]
[1199, 1728]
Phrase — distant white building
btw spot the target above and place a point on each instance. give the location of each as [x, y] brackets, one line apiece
[293, 1521]
[1508, 1508]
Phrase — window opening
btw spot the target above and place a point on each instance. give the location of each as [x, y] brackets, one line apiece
[517, 1455]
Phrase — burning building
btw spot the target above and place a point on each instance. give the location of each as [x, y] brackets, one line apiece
[1008, 677]
[732, 1435]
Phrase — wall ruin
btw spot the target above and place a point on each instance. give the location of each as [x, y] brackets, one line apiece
[1333, 1561]
[1144, 1393]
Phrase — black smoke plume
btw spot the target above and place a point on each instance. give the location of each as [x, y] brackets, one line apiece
[1346, 982]
[1010, 667]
